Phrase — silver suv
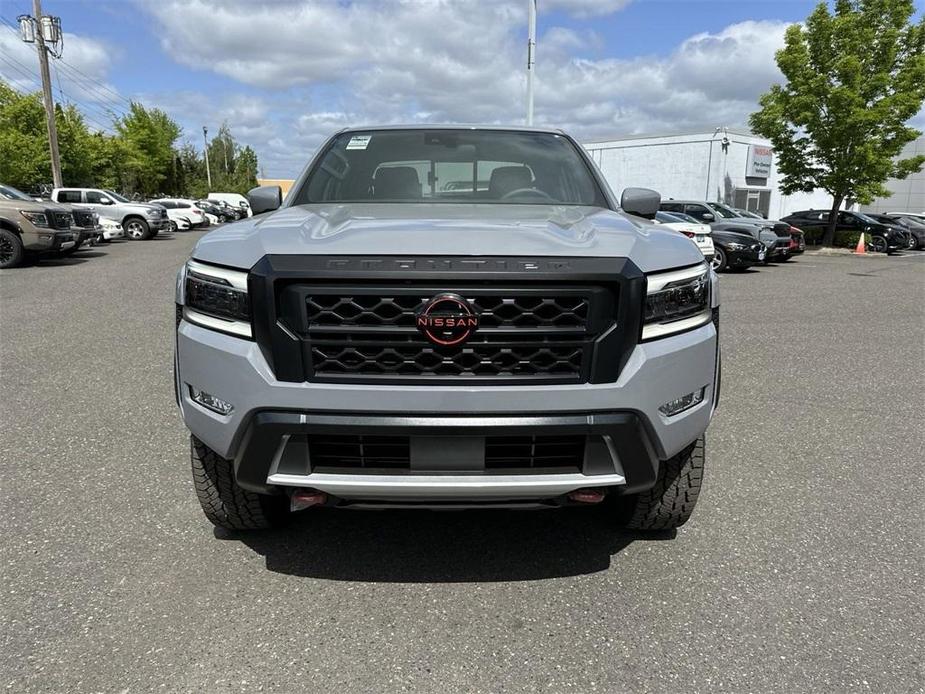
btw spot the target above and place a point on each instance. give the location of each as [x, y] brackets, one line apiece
[447, 317]
[139, 220]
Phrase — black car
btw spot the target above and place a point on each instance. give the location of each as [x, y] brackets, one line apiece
[883, 238]
[210, 207]
[735, 251]
[913, 228]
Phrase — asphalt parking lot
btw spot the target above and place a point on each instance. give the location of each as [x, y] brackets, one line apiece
[801, 570]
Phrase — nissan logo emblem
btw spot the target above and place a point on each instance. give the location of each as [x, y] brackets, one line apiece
[447, 320]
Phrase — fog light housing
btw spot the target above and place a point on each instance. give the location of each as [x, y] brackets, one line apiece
[685, 402]
[210, 402]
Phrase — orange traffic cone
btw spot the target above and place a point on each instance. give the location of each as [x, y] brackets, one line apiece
[860, 250]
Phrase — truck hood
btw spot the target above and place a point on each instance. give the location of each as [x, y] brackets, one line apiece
[422, 229]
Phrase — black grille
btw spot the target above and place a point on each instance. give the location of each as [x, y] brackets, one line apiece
[62, 220]
[523, 453]
[500, 311]
[83, 218]
[515, 452]
[524, 333]
[359, 452]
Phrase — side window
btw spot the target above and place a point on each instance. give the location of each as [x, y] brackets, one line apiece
[94, 196]
[181, 205]
[166, 203]
[672, 207]
[69, 196]
[696, 211]
[848, 220]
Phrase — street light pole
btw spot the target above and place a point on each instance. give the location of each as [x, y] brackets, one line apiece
[205, 133]
[531, 56]
[46, 96]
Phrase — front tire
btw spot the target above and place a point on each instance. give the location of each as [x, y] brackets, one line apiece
[878, 244]
[136, 229]
[11, 250]
[912, 244]
[670, 502]
[225, 503]
[719, 259]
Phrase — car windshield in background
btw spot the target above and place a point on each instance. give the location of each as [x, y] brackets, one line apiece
[451, 166]
[10, 193]
[116, 196]
[724, 211]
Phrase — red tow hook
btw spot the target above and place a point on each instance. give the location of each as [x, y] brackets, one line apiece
[586, 496]
[306, 498]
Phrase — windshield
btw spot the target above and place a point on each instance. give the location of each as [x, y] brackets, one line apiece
[116, 196]
[11, 193]
[723, 211]
[864, 218]
[451, 166]
[668, 217]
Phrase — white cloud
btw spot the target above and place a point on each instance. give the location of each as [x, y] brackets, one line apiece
[83, 77]
[324, 65]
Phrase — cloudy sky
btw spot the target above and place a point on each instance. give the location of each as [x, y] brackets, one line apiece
[285, 74]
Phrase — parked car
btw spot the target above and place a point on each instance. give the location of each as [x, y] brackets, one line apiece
[28, 227]
[234, 212]
[773, 235]
[234, 200]
[86, 226]
[699, 233]
[415, 348]
[913, 227]
[111, 229]
[797, 238]
[214, 213]
[184, 214]
[139, 220]
[736, 251]
[882, 238]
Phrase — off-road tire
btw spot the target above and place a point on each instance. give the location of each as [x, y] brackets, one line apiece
[11, 250]
[671, 501]
[225, 503]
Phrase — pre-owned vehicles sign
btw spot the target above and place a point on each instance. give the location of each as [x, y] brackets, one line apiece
[759, 160]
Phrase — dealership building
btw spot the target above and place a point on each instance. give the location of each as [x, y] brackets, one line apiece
[731, 166]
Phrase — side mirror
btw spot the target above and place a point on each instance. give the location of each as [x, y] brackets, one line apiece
[708, 217]
[641, 202]
[265, 198]
[106, 201]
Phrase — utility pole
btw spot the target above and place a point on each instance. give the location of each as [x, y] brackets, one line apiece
[37, 29]
[531, 56]
[205, 133]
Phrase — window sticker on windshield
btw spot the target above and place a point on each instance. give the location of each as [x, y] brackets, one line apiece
[359, 141]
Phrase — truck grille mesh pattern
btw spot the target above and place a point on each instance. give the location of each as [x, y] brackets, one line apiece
[508, 453]
[524, 334]
[494, 311]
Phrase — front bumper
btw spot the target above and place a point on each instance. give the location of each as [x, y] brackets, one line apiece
[49, 241]
[743, 258]
[268, 413]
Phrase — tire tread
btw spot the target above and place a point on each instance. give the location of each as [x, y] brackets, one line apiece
[670, 502]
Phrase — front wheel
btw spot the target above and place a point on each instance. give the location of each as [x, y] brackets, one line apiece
[878, 244]
[912, 243]
[136, 229]
[11, 250]
[719, 259]
[225, 503]
[670, 502]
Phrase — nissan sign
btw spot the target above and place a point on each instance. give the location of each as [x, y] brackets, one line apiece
[759, 161]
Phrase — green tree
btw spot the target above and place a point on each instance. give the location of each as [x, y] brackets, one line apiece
[24, 158]
[148, 138]
[855, 77]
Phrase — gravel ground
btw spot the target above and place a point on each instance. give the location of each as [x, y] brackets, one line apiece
[801, 571]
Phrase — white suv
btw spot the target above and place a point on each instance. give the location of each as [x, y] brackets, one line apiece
[139, 220]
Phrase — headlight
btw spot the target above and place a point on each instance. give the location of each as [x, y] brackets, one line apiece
[215, 298]
[39, 219]
[153, 213]
[736, 246]
[677, 301]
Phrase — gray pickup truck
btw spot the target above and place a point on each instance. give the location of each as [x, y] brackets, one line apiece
[138, 219]
[447, 317]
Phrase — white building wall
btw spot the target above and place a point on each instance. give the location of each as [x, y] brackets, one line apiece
[908, 194]
[694, 166]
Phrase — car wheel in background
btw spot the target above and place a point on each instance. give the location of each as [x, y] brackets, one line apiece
[136, 229]
[11, 251]
[878, 244]
[912, 243]
[719, 259]
[172, 226]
